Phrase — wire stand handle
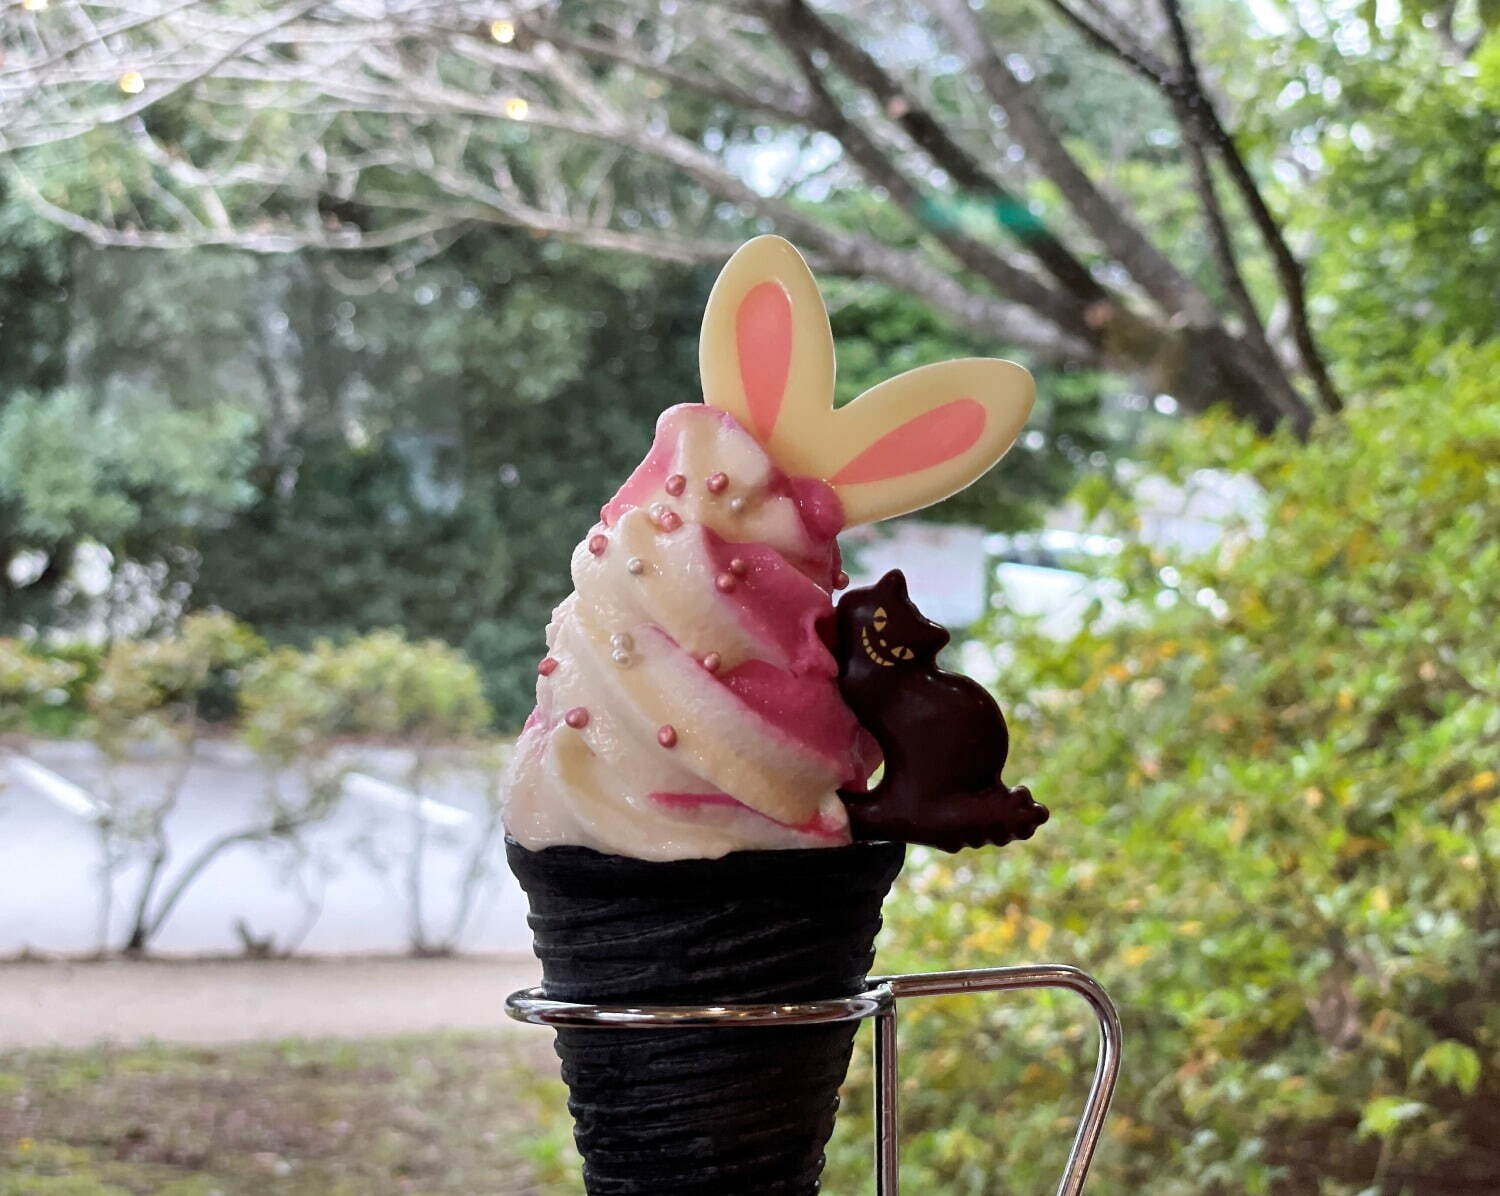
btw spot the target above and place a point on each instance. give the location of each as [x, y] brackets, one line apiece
[979, 980]
[878, 1002]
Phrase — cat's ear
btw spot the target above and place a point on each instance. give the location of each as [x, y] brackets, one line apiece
[919, 437]
[765, 353]
[892, 587]
[916, 630]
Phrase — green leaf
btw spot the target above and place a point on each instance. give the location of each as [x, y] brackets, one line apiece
[1386, 1114]
[1450, 1062]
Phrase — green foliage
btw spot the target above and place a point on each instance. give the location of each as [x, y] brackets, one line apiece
[1411, 223]
[27, 681]
[134, 474]
[322, 456]
[455, 448]
[1275, 839]
[298, 710]
[379, 685]
[34, 267]
[62, 711]
[169, 683]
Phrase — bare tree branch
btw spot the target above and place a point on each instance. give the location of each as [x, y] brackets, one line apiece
[946, 152]
[789, 21]
[348, 125]
[1288, 268]
[784, 102]
[1113, 37]
[1278, 389]
[148, 96]
[1183, 87]
[269, 240]
[1158, 277]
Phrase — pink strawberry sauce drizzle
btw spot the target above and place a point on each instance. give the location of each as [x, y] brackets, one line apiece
[799, 707]
[782, 601]
[774, 602]
[822, 513]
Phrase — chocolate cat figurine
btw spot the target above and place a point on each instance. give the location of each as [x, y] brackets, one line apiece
[942, 735]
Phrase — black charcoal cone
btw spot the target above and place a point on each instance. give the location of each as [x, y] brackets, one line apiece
[743, 1112]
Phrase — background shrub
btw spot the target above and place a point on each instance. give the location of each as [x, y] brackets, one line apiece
[1275, 839]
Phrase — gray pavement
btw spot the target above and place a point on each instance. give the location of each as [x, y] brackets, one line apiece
[80, 1004]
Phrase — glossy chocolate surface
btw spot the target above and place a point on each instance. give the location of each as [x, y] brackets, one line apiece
[942, 736]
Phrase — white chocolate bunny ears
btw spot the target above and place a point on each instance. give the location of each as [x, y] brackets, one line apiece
[766, 357]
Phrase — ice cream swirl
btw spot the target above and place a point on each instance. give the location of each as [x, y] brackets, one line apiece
[687, 705]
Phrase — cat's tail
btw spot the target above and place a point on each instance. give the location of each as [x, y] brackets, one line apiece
[952, 821]
[1024, 812]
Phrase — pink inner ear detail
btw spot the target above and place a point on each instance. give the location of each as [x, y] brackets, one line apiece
[763, 340]
[938, 435]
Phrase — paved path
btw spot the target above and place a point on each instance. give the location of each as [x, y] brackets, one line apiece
[77, 1004]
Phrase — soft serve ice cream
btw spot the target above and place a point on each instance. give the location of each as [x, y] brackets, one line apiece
[687, 705]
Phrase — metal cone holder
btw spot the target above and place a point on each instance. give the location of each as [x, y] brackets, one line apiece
[879, 1001]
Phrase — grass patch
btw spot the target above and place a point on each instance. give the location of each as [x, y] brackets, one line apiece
[432, 1114]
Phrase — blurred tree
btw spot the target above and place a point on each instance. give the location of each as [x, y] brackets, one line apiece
[421, 695]
[123, 419]
[437, 474]
[880, 332]
[1412, 221]
[34, 261]
[33, 342]
[132, 475]
[672, 132]
[328, 446]
[161, 693]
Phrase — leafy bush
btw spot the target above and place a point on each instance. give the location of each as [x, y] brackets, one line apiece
[378, 685]
[163, 692]
[170, 683]
[83, 660]
[382, 686]
[1275, 839]
[27, 681]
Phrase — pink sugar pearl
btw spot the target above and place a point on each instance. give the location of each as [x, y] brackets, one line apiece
[577, 718]
[598, 542]
[676, 484]
[670, 521]
[712, 661]
[725, 583]
[840, 580]
[717, 483]
[667, 736]
[547, 666]
[738, 567]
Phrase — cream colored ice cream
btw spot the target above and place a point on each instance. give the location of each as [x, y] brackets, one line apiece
[687, 705]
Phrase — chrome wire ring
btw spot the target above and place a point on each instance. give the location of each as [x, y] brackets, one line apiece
[879, 1002]
[531, 1005]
